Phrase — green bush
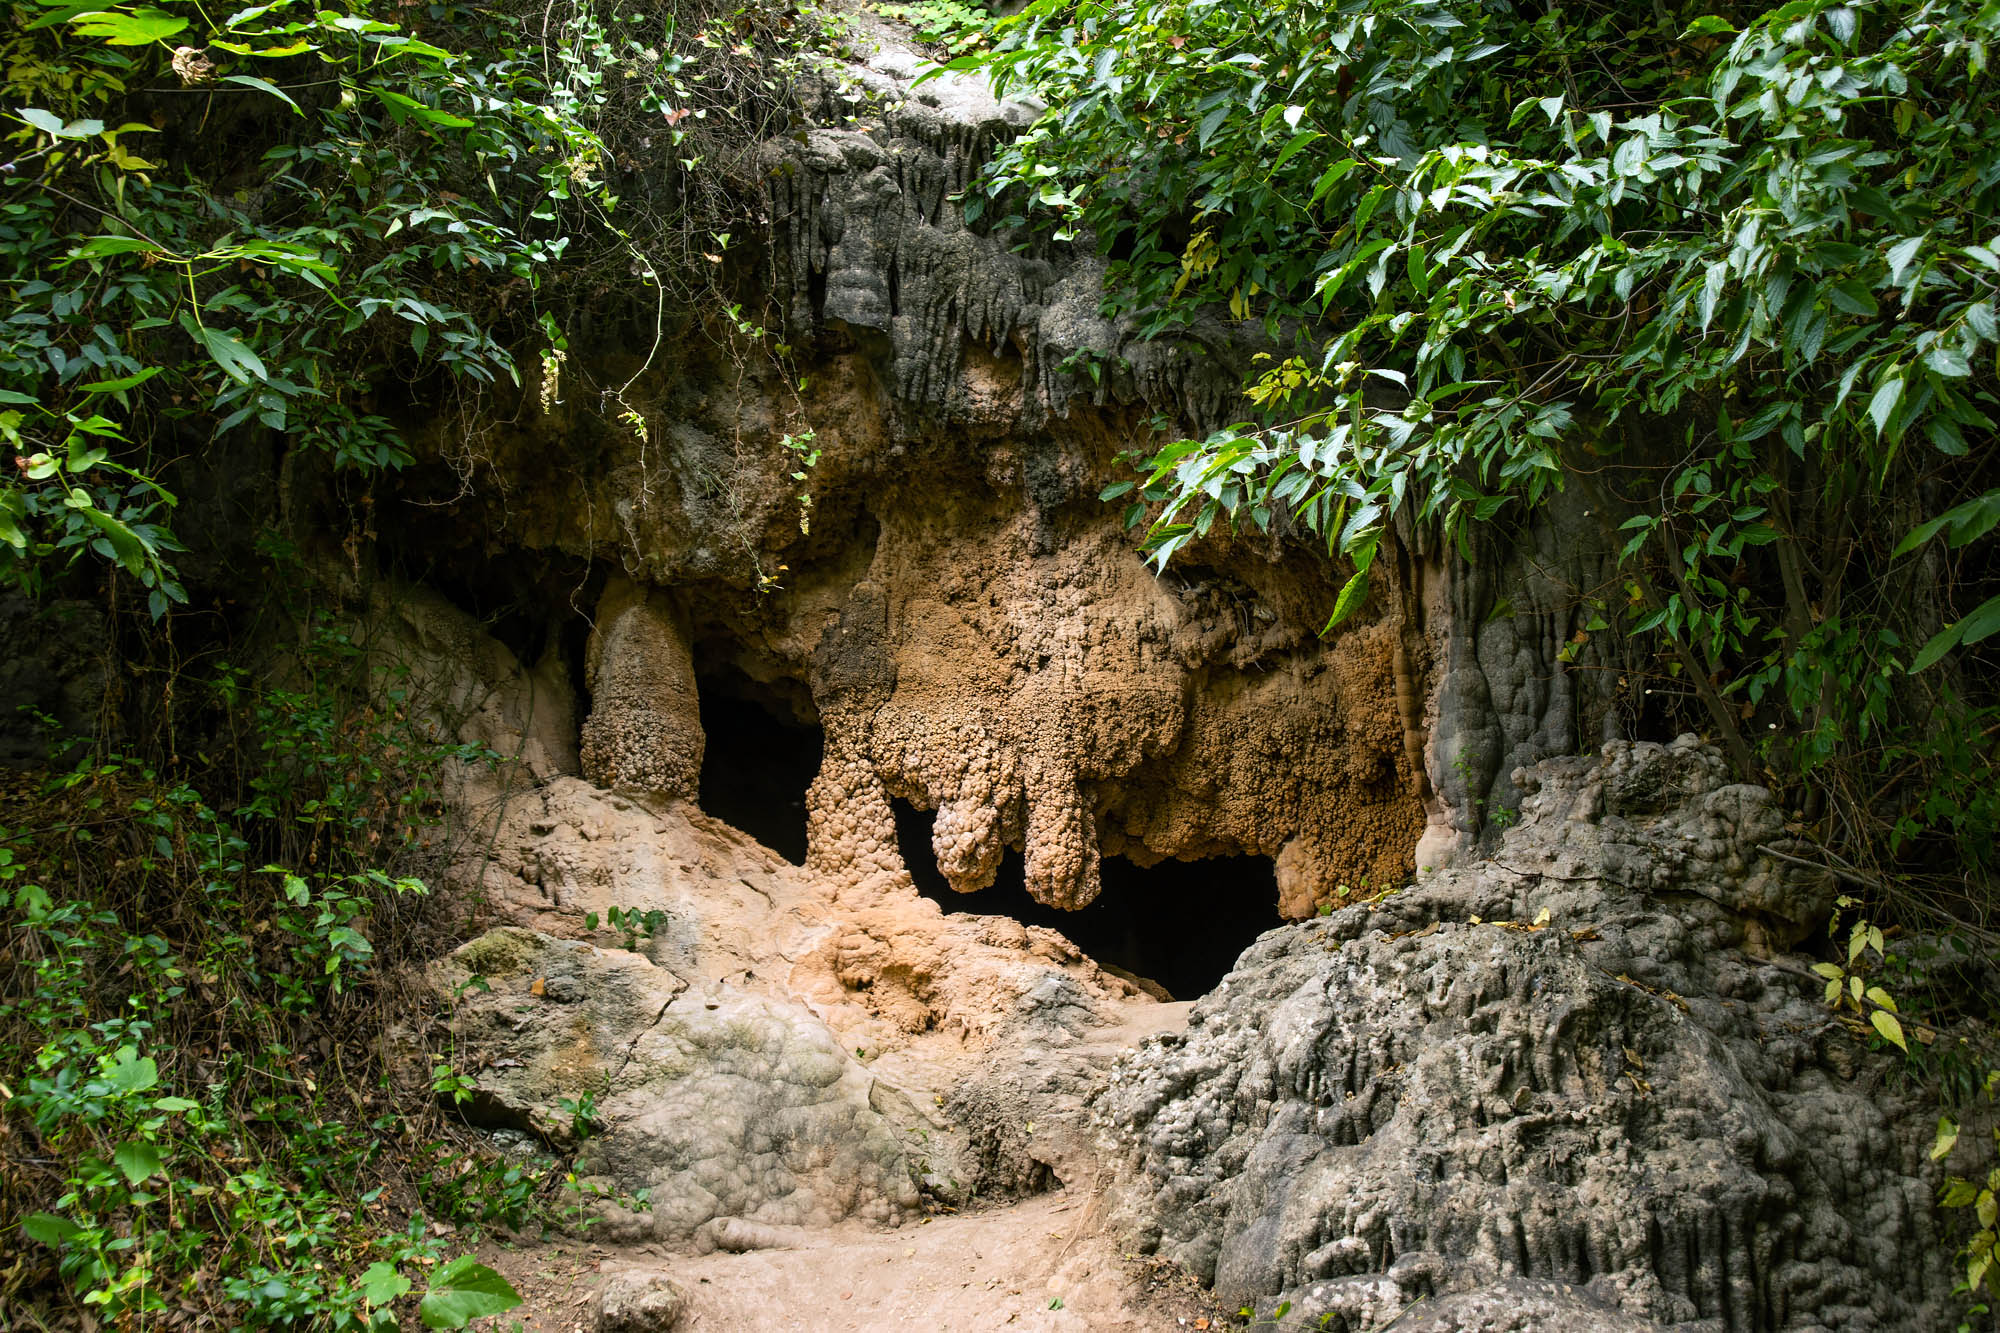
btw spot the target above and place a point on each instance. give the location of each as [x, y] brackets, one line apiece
[1727, 271]
[190, 1065]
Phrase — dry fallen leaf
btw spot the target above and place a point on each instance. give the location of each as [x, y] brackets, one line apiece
[539, 986]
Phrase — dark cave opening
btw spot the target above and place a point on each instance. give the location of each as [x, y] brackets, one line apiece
[758, 762]
[1180, 924]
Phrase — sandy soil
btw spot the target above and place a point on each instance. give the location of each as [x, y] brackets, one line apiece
[1043, 1265]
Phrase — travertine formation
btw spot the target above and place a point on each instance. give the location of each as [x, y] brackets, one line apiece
[971, 625]
[644, 729]
[739, 1041]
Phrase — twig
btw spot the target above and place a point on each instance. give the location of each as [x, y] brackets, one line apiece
[1867, 881]
[1817, 979]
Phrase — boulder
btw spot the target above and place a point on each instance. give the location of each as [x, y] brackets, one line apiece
[706, 1103]
[637, 1301]
[540, 1021]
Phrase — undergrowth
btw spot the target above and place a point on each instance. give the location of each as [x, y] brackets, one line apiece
[955, 27]
[200, 1120]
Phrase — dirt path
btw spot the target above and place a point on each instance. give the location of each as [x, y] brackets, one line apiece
[1042, 1265]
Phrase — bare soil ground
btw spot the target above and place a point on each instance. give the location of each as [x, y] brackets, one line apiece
[1044, 1265]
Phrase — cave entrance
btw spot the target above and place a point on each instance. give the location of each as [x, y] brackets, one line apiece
[760, 758]
[1180, 924]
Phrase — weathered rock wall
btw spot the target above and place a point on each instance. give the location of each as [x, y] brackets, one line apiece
[1582, 1083]
[1573, 1065]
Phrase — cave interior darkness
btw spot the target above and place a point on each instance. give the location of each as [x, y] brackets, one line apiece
[757, 764]
[1180, 924]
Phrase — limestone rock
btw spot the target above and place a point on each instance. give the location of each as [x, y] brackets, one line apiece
[1519, 675]
[427, 655]
[736, 1105]
[541, 1020]
[637, 1301]
[644, 729]
[1558, 1066]
[715, 1102]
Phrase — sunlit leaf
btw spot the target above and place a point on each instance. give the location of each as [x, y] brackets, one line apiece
[465, 1290]
[139, 27]
[1889, 1027]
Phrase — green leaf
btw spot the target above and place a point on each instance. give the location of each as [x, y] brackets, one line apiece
[137, 1160]
[141, 27]
[1210, 123]
[1416, 266]
[1940, 643]
[401, 108]
[1331, 176]
[131, 553]
[227, 351]
[1983, 622]
[1298, 142]
[131, 1072]
[1901, 255]
[43, 120]
[264, 86]
[381, 1284]
[1946, 437]
[1918, 535]
[465, 1290]
[98, 246]
[1853, 297]
[1949, 362]
[1882, 407]
[1352, 597]
[47, 1228]
[123, 382]
[1890, 1028]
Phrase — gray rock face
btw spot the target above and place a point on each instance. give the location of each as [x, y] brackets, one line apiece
[738, 1106]
[539, 1020]
[716, 1102]
[1513, 684]
[870, 239]
[1557, 1067]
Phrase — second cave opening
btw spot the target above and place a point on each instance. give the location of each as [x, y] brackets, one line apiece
[1180, 924]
